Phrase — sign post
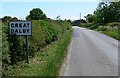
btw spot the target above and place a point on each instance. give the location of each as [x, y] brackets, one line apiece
[21, 28]
[27, 50]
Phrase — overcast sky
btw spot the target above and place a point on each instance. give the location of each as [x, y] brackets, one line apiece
[67, 10]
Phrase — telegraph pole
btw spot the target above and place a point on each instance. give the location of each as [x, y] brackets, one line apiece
[80, 17]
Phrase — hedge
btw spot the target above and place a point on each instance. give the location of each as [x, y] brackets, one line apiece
[43, 33]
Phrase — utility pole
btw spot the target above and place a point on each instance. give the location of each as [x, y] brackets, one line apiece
[80, 17]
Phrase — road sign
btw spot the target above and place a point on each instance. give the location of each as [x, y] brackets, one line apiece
[20, 27]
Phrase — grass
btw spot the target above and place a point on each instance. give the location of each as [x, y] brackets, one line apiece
[112, 33]
[110, 29]
[46, 62]
[0, 36]
[0, 48]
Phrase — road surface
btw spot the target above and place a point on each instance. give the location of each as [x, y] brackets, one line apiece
[91, 54]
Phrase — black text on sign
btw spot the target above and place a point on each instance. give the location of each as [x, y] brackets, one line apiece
[20, 27]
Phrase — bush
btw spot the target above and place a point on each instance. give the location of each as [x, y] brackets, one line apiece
[5, 46]
[5, 49]
[102, 28]
[114, 25]
[112, 33]
[43, 33]
[110, 29]
[89, 25]
[93, 27]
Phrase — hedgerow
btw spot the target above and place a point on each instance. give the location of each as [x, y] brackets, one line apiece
[110, 29]
[43, 33]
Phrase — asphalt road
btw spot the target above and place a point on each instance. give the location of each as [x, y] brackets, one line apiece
[91, 54]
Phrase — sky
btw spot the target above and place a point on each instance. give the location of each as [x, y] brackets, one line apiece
[67, 10]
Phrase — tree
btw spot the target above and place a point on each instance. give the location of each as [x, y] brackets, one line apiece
[36, 14]
[115, 10]
[90, 18]
[106, 12]
[6, 19]
[14, 19]
[58, 18]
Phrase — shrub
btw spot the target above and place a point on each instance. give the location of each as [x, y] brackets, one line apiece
[102, 28]
[114, 25]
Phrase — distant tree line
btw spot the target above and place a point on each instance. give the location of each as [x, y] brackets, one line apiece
[6, 19]
[106, 12]
[34, 14]
[77, 22]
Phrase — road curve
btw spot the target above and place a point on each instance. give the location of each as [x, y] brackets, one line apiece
[91, 54]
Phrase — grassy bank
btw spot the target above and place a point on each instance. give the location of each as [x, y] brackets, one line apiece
[47, 48]
[0, 48]
[112, 33]
[110, 29]
[45, 63]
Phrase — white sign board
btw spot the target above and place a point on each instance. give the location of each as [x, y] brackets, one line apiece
[20, 27]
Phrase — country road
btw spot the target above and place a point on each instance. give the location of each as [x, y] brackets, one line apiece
[91, 54]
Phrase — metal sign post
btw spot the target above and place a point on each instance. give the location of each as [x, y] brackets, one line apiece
[27, 50]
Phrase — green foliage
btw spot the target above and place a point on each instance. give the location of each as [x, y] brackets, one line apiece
[53, 65]
[15, 49]
[6, 19]
[14, 19]
[43, 33]
[113, 25]
[93, 27]
[36, 14]
[105, 19]
[90, 18]
[88, 25]
[110, 29]
[106, 12]
[5, 48]
[102, 28]
[46, 62]
[50, 32]
[112, 33]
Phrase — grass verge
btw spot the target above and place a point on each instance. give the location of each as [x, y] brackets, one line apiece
[112, 33]
[46, 62]
[0, 49]
[110, 29]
